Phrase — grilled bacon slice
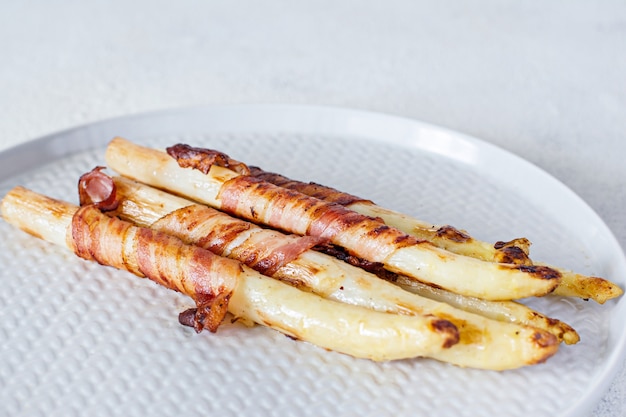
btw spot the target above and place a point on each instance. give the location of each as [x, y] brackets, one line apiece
[363, 236]
[221, 282]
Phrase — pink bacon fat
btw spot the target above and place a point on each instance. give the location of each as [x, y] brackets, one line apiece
[207, 278]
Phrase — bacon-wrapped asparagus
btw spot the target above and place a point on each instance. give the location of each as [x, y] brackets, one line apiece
[294, 212]
[452, 239]
[317, 272]
[217, 284]
[484, 343]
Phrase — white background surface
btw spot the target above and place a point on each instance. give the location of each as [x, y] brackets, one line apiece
[545, 80]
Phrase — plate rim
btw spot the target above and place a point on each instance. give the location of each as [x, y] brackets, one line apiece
[47, 148]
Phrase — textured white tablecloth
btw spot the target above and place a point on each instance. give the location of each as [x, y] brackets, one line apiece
[545, 80]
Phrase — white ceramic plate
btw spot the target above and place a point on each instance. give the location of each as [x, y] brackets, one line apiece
[81, 339]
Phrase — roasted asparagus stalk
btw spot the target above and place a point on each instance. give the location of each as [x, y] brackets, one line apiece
[516, 251]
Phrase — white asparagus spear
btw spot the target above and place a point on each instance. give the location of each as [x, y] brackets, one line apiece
[332, 325]
[452, 239]
[328, 276]
[367, 239]
[507, 311]
[572, 284]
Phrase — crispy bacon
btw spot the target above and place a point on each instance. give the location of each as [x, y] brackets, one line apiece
[202, 159]
[196, 272]
[263, 250]
[297, 213]
[312, 189]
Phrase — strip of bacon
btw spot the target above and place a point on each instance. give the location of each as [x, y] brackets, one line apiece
[199, 273]
[484, 343]
[363, 236]
[266, 251]
[208, 279]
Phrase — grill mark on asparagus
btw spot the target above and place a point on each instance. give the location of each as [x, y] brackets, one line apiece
[539, 271]
[515, 251]
[512, 255]
[447, 327]
[453, 234]
[544, 341]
